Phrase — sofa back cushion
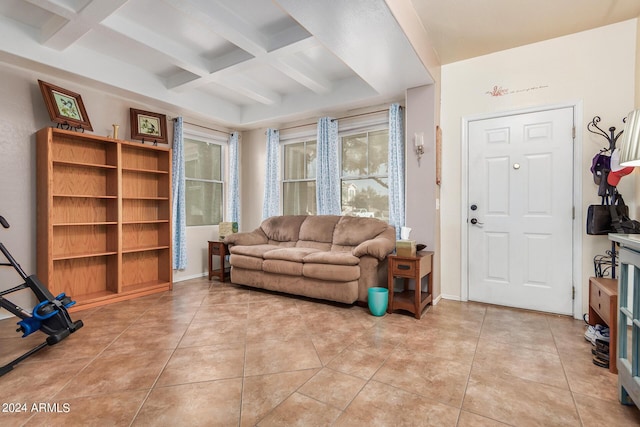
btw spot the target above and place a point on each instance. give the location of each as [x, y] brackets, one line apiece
[317, 232]
[283, 228]
[353, 230]
[323, 232]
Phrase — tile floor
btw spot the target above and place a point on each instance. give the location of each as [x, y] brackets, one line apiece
[215, 354]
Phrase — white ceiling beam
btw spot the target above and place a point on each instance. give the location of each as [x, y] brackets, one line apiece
[347, 93]
[224, 22]
[242, 65]
[67, 26]
[290, 35]
[366, 37]
[251, 89]
[55, 7]
[177, 53]
[303, 73]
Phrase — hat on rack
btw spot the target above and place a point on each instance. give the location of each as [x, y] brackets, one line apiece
[617, 171]
[599, 166]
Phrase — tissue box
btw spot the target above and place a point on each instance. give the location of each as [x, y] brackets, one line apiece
[226, 228]
[406, 248]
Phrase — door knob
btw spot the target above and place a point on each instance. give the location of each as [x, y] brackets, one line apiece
[475, 221]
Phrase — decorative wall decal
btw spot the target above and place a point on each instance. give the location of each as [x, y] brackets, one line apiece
[500, 91]
[497, 91]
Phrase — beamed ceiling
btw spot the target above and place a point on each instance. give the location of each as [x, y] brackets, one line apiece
[244, 63]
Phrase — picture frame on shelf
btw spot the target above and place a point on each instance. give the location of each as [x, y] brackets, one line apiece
[65, 107]
[148, 126]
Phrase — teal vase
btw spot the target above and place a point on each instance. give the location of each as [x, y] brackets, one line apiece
[378, 299]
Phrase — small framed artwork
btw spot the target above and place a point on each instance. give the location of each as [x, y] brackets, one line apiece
[65, 107]
[148, 126]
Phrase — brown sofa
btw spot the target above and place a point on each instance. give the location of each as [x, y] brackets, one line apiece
[336, 258]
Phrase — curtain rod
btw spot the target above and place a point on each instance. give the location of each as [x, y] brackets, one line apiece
[338, 118]
[205, 127]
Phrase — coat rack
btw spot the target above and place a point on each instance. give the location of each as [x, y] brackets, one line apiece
[611, 138]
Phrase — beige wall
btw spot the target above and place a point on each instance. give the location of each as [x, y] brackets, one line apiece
[252, 169]
[594, 69]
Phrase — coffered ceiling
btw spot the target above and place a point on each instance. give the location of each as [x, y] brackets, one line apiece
[239, 62]
[244, 63]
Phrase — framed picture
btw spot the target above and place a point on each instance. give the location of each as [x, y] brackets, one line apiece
[148, 126]
[65, 107]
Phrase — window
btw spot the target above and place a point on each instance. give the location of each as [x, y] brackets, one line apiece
[299, 183]
[365, 160]
[364, 176]
[203, 182]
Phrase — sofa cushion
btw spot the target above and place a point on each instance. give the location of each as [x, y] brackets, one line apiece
[283, 228]
[289, 254]
[244, 261]
[278, 266]
[332, 257]
[352, 230]
[318, 228]
[257, 251]
[335, 273]
[321, 246]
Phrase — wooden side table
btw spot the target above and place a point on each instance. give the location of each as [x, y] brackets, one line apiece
[410, 268]
[603, 309]
[220, 249]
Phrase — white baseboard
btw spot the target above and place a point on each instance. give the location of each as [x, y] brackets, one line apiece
[193, 276]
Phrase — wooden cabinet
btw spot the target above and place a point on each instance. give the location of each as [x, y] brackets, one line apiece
[103, 217]
[407, 268]
[603, 309]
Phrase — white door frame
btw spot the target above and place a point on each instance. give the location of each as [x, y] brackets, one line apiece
[577, 196]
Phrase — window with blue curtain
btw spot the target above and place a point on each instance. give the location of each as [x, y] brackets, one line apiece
[396, 168]
[328, 168]
[179, 223]
[271, 203]
[233, 200]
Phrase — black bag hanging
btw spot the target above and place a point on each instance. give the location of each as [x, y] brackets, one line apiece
[620, 221]
[611, 216]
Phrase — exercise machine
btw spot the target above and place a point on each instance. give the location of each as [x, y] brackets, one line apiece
[49, 315]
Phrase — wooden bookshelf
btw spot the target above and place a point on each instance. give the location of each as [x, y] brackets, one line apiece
[103, 217]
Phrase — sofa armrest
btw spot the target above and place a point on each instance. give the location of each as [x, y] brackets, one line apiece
[255, 237]
[378, 247]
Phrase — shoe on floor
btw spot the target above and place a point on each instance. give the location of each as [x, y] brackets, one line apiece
[602, 335]
[591, 332]
[600, 362]
[602, 346]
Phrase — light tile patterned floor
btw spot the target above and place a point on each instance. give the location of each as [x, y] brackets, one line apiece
[212, 354]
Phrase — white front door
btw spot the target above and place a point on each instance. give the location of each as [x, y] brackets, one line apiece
[520, 213]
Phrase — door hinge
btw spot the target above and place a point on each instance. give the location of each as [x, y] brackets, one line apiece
[573, 132]
[573, 212]
[573, 292]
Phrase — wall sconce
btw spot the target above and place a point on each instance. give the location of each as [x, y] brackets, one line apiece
[418, 143]
[630, 145]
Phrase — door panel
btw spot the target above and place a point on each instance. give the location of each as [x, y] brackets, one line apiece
[521, 180]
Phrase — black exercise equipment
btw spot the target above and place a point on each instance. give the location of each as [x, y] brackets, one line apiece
[49, 316]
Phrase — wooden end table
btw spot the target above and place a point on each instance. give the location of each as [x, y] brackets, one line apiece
[220, 249]
[603, 309]
[410, 268]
